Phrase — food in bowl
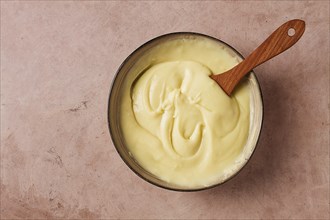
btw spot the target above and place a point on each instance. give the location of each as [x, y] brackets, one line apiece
[175, 122]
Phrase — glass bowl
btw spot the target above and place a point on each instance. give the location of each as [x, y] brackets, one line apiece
[256, 111]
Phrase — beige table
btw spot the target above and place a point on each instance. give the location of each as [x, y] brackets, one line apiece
[57, 63]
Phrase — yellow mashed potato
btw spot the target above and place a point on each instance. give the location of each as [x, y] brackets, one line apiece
[177, 122]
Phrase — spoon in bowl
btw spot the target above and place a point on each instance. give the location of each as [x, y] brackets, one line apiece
[280, 40]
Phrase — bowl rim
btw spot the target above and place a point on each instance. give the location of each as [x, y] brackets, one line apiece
[111, 129]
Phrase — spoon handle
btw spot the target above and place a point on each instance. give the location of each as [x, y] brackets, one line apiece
[280, 40]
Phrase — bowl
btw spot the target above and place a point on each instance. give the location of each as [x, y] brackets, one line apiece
[256, 112]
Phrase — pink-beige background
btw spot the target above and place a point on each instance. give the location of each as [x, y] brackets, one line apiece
[57, 63]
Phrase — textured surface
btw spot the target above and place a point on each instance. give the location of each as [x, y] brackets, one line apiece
[57, 158]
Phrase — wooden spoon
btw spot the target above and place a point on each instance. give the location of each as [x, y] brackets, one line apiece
[279, 41]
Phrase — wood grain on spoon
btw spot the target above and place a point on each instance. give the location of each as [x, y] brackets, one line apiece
[279, 41]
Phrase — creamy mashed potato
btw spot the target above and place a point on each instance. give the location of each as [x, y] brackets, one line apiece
[177, 122]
